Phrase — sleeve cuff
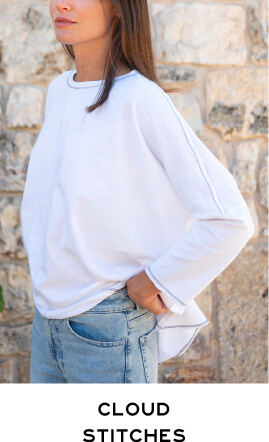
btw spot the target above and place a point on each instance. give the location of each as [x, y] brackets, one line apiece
[170, 300]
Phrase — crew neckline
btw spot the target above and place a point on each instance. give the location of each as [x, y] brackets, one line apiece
[91, 83]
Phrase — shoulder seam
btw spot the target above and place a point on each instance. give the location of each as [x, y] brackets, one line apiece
[197, 155]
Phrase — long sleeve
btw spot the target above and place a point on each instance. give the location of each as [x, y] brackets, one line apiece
[221, 221]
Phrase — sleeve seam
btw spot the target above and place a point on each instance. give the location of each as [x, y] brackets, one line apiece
[199, 160]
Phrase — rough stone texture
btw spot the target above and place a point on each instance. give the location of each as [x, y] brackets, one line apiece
[252, 207]
[15, 149]
[188, 107]
[196, 43]
[258, 30]
[7, 370]
[197, 374]
[176, 74]
[24, 107]
[246, 157]
[243, 317]
[217, 150]
[31, 54]
[1, 98]
[17, 293]
[264, 231]
[10, 228]
[237, 102]
[24, 370]
[263, 183]
[199, 33]
[16, 339]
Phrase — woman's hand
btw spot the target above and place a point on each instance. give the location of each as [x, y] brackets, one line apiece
[143, 292]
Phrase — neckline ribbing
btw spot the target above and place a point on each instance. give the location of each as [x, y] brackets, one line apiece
[82, 84]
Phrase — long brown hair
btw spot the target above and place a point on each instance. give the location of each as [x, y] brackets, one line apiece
[130, 43]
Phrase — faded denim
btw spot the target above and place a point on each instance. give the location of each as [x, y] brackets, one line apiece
[114, 342]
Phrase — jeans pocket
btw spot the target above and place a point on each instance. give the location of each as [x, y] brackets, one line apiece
[149, 349]
[99, 330]
[136, 317]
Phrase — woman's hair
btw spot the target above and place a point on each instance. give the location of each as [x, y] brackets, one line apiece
[131, 43]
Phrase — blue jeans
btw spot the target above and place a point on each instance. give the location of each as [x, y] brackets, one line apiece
[114, 342]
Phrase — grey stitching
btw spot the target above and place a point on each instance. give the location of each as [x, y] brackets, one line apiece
[128, 354]
[197, 155]
[189, 342]
[149, 269]
[199, 160]
[50, 344]
[184, 347]
[61, 359]
[99, 81]
[183, 326]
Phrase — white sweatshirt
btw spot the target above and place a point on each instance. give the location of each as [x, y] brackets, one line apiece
[126, 188]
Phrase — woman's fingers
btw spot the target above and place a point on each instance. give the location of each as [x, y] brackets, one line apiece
[155, 305]
[144, 293]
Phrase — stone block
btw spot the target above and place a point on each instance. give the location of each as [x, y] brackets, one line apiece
[189, 108]
[236, 102]
[25, 107]
[176, 74]
[7, 370]
[200, 33]
[17, 293]
[258, 30]
[11, 243]
[192, 374]
[15, 339]
[243, 317]
[24, 370]
[244, 170]
[263, 183]
[15, 149]
[32, 53]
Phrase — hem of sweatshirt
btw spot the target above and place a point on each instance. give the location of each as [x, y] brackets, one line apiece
[75, 309]
[183, 349]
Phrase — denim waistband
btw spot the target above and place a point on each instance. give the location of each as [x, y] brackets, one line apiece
[119, 300]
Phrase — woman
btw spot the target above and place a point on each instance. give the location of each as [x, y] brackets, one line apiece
[113, 187]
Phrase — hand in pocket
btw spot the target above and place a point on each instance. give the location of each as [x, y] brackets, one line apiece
[143, 292]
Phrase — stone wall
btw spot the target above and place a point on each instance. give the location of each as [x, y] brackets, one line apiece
[216, 50]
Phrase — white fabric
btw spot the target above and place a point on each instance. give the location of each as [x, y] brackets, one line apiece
[126, 188]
